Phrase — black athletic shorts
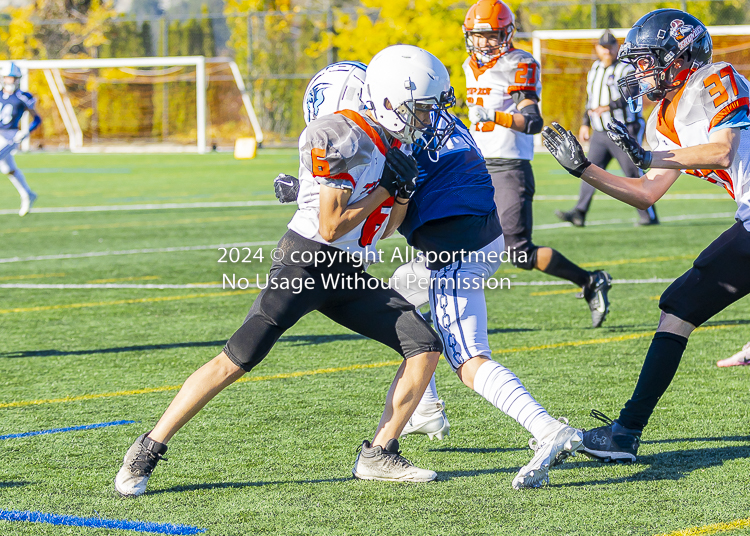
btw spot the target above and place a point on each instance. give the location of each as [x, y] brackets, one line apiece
[343, 292]
[719, 277]
[514, 194]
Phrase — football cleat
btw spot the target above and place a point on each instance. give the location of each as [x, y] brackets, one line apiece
[432, 425]
[739, 359]
[595, 293]
[552, 450]
[377, 463]
[137, 466]
[612, 442]
[26, 203]
[576, 217]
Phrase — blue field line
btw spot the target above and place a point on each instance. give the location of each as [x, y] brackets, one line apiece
[68, 429]
[97, 522]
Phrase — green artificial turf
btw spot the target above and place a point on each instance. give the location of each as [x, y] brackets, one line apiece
[274, 456]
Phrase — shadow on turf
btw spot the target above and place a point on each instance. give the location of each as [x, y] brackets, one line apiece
[297, 340]
[13, 484]
[114, 350]
[673, 465]
[238, 485]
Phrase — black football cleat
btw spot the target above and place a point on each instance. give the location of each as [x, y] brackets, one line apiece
[576, 217]
[612, 442]
[595, 293]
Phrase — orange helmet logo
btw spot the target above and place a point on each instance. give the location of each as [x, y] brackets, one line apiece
[483, 19]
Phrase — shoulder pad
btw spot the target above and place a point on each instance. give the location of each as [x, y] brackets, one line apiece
[26, 98]
[713, 92]
[521, 71]
[335, 144]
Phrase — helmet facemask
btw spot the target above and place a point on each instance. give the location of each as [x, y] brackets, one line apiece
[653, 77]
[497, 42]
[11, 84]
[427, 122]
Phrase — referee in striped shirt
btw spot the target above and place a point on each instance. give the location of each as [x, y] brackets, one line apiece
[605, 102]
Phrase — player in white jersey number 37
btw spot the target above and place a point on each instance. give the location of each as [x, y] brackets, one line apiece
[699, 126]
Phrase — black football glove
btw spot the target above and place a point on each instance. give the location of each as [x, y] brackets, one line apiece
[619, 134]
[399, 173]
[565, 148]
[286, 188]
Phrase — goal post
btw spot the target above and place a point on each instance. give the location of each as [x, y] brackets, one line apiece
[160, 104]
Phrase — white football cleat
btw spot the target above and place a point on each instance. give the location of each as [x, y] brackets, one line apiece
[553, 449]
[26, 202]
[739, 359]
[378, 463]
[434, 424]
[137, 466]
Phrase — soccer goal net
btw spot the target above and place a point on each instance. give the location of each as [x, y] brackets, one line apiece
[168, 104]
[567, 55]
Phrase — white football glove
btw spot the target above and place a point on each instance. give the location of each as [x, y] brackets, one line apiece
[20, 136]
[479, 114]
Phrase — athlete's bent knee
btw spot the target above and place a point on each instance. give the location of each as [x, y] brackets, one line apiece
[522, 255]
[669, 323]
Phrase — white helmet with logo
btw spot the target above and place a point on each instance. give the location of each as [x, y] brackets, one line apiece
[336, 87]
[408, 90]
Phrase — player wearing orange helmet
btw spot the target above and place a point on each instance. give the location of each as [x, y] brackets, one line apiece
[503, 87]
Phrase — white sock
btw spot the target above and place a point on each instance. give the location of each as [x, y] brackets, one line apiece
[19, 181]
[506, 392]
[429, 399]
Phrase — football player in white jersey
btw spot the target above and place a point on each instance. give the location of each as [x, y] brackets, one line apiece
[699, 126]
[345, 199]
[503, 85]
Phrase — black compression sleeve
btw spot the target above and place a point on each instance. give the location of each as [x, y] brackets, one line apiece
[533, 119]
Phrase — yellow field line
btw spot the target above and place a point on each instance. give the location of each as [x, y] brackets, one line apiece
[711, 529]
[637, 261]
[29, 276]
[553, 292]
[300, 374]
[282, 376]
[123, 302]
[586, 342]
[117, 279]
[158, 223]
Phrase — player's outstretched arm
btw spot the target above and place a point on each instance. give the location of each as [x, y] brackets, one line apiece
[639, 192]
[718, 153]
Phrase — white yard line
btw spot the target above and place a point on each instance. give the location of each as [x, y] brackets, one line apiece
[133, 252]
[159, 206]
[252, 285]
[681, 217]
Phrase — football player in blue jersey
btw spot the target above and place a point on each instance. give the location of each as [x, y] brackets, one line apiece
[453, 220]
[13, 104]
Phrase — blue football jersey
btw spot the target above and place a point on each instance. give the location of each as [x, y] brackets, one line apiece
[451, 182]
[12, 108]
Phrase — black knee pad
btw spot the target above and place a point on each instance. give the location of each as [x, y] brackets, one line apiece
[522, 253]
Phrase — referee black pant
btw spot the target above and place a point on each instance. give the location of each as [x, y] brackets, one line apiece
[601, 152]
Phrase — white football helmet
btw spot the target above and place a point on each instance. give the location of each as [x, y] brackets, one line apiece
[336, 87]
[408, 89]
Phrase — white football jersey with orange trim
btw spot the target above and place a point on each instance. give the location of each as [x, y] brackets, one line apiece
[342, 150]
[710, 95]
[490, 86]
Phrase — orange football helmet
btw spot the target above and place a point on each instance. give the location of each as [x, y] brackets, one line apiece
[489, 16]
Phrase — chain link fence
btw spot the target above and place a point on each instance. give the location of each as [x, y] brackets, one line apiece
[278, 51]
